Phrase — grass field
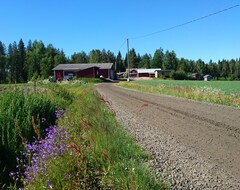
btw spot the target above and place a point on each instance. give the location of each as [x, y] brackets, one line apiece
[216, 92]
[228, 87]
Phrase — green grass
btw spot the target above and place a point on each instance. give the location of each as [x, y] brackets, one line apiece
[101, 155]
[111, 157]
[228, 87]
[226, 93]
[18, 105]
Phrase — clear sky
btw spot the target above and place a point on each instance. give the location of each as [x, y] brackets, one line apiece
[76, 25]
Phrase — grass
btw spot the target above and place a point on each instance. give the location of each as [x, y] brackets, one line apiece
[112, 159]
[228, 87]
[100, 155]
[223, 92]
[20, 108]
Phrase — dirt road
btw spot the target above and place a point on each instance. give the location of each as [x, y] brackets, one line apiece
[193, 145]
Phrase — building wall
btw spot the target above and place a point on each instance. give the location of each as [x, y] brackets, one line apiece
[88, 73]
[59, 75]
[143, 75]
[105, 73]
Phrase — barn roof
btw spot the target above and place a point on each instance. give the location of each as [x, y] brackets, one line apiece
[82, 66]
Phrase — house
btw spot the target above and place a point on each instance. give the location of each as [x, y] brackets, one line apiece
[207, 77]
[142, 72]
[83, 70]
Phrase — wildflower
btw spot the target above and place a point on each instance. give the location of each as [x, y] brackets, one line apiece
[59, 113]
[43, 119]
[41, 152]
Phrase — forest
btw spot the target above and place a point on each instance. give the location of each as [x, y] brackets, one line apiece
[20, 63]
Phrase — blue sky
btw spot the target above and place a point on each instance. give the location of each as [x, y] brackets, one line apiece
[76, 25]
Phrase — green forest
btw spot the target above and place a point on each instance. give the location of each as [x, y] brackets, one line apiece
[20, 63]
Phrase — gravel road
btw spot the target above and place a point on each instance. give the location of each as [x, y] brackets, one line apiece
[193, 145]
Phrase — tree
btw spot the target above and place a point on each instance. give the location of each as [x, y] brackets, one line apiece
[2, 63]
[157, 61]
[237, 70]
[145, 61]
[224, 68]
[119, 63]
[95, 56]
[200, 67]
[183, 65]
[110, 57]
[60, 58]
[80, 57]
[170, 60]
[22, 76]
[104, 56]
[133, 58]
[13, 63]
[34, 56]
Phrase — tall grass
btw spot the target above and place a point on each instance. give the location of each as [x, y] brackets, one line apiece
[202, 93]
[20, 109]
[99, 155]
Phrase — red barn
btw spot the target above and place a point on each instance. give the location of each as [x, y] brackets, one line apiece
[83, 70]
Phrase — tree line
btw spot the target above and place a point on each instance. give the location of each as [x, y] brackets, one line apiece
[20, 63]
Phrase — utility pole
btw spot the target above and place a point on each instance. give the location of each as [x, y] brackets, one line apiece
[128, 61]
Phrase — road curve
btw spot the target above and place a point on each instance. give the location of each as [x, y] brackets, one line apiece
[193, 145]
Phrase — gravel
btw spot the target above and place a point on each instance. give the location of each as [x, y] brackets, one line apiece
[192, 145]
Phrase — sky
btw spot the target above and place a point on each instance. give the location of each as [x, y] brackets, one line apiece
[83, 25]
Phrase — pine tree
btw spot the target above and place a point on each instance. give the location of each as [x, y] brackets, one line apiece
[22, 75]
[119, 62]
[2, 63]
[157, 61]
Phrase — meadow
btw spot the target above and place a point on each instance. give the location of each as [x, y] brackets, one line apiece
[73, 142]
[216, 92]
[228, 87]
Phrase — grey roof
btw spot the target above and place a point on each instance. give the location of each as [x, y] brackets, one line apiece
[82, 66]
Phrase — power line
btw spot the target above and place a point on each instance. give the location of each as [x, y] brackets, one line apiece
[183, 24]
[122, 45]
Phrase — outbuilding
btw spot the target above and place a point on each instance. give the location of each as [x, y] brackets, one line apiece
[207, 77]
[83, 70]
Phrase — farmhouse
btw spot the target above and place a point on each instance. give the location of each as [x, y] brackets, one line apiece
[143, 72]
[157, 72]
[83, 70]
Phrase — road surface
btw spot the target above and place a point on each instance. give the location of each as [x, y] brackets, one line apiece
[193, 145]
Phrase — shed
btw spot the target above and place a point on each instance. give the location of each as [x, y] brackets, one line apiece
[196, 76]
[83, 70]
[207, 77]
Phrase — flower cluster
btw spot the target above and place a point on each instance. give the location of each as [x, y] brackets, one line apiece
[59, 113]
[40, 152]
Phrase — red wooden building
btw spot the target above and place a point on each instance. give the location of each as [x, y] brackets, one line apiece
[86, 70]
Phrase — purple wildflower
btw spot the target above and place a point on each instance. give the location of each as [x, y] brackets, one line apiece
[59, 113]
[41, 152]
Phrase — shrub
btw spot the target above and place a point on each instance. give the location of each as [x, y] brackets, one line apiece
[178, 75]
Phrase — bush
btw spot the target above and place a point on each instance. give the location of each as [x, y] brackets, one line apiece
[178, 75]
